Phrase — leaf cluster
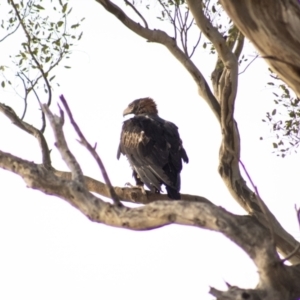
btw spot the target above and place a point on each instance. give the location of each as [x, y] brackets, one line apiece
[284, 119]
[46, 39]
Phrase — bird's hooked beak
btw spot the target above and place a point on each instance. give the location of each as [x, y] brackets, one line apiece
[127, 111]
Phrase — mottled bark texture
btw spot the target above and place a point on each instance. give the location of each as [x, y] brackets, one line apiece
[277, 280]
[259, 233]
[222, 100]
[273, 27]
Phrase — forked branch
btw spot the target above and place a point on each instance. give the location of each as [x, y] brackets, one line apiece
[161, 37]
[92, 151]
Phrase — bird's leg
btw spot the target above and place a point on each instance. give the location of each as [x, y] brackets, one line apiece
[139, 183]
[138, 186]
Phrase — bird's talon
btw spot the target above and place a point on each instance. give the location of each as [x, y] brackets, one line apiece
[140, 187]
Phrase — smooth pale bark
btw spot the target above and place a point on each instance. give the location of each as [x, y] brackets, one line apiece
[252, 233]
[273, 28]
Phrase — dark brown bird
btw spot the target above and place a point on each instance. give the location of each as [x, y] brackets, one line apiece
[153, 147]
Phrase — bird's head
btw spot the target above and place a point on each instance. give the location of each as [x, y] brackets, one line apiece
[141, 106]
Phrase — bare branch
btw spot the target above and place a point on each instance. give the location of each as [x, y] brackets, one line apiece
[239, 44]
[92, 150]
[132, 195]
[10, 113]
[255, 57]
[262, 205]
[235, 293]
[17, 27]
[61, 144]
[159, 36]
[171, 19]
[196, 45]
[211, 33]
[242, 230]
[9, 34]
[27, 91]
[227, 85]
[262, 25]
[25, 96]
[137, 12]
[296, 250]
[227, 78]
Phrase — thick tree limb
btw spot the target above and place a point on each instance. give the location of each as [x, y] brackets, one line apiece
[133, 195]
[277, 281]
[229, 167]
[225, 81]
[242, 230]
[273, 27]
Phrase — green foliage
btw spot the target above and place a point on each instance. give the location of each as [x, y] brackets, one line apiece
[46, 40]
[284, 120]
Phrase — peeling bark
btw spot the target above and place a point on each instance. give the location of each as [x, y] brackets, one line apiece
[273, 27]
[245, 231]
[257, 21]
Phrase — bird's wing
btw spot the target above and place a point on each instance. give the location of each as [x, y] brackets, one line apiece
[153, 148]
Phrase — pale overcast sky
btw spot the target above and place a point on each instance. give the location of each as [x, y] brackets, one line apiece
[49, 250]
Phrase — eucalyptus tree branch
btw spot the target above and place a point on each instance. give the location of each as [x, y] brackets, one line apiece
[92, 151]
[132, 195]
[273, 28]
[235, 293]
[27, 91]
[26, 12]
[230, 148]
[242, 230]
[239, 45]
[161, 37]
[171, 19]
[29, 41]
[261, 204]
[57, 123]
[212, 33]
[224, 52]
[251, 61]
[225, 78]
[10, 113]
[10, 33]
[25, 96]
[196, 45]
[137, 12]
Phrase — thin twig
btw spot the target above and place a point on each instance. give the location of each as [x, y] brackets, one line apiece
[1, 40]
[25, 96]
[191, 24]
[137, 12]
[12, 32]
[180, 20]
[256, 56]
[172, 19]
[92, 150]
[196, 45]
[288, 257]
[38, 65]
[260, 202]
[39, 101]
